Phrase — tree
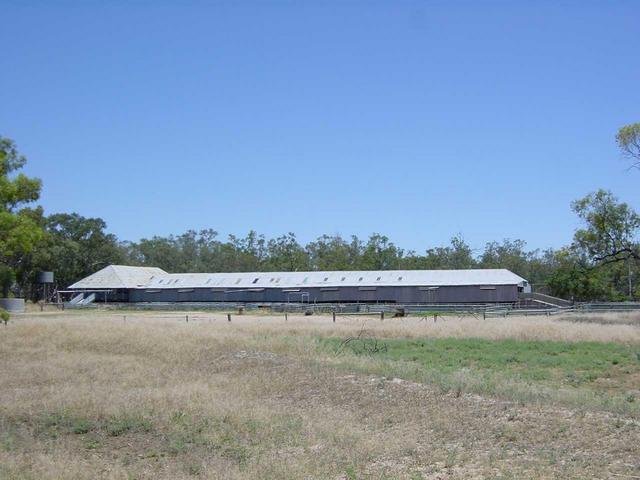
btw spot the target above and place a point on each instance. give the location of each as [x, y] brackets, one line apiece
[74, 247]
[380, 254]
[509, 254]
[19, 231]
[541, 265]
[611, 228]
[574, 279]
[456, 256]
[285, 253]
[628, 139]
[332, 252]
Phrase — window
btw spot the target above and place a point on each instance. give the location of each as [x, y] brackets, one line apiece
[360, 279]
[343, 279]
[255, 280]
[399, 279]
[378, 279]
[326, 278]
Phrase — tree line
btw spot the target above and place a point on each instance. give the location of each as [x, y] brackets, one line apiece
[601, 263]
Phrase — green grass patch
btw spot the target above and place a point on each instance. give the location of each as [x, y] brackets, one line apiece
[119, 425]
[236, 438]
[56, 423]
[606, 370]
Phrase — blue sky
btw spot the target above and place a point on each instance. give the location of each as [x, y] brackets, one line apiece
[419, 120]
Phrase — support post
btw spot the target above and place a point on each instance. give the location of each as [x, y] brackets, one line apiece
[381, 316]
[334, 317]
[228, 317]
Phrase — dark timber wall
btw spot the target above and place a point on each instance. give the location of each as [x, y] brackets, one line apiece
[443, 294]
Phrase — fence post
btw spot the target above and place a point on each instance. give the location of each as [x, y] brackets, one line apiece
[285, 316]
[228, 317]
[187, 318]
[334, 317]
[381, 316]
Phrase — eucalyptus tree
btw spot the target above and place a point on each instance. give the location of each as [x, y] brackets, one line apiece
[20, 231]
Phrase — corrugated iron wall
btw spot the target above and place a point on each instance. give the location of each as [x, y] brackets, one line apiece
[451, 294]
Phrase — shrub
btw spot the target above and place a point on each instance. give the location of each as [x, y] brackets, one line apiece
[4, 316]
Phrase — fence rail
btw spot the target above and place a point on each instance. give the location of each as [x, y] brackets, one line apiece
[484, 310]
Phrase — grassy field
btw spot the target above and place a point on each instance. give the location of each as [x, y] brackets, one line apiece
[149, 395]
[576, 374]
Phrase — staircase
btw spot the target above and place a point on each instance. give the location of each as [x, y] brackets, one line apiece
[81, 300]
[533, 299]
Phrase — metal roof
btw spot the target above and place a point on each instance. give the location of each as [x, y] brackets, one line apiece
[120, 276]
[158, 279]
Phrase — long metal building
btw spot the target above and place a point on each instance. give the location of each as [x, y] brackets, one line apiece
[117, 283]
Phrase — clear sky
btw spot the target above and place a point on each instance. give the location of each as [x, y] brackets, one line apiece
[419, 120]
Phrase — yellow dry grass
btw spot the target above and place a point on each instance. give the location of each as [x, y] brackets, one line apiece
[122, 395]
[609, 327]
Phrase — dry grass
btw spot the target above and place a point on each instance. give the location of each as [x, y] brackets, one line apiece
[608, 318]
[99, 396]
[609, 327]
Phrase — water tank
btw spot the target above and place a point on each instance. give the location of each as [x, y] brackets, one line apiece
[44, 277]
[12, 305]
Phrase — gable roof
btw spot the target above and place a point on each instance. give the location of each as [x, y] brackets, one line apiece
[119, 276]
[353, 278]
